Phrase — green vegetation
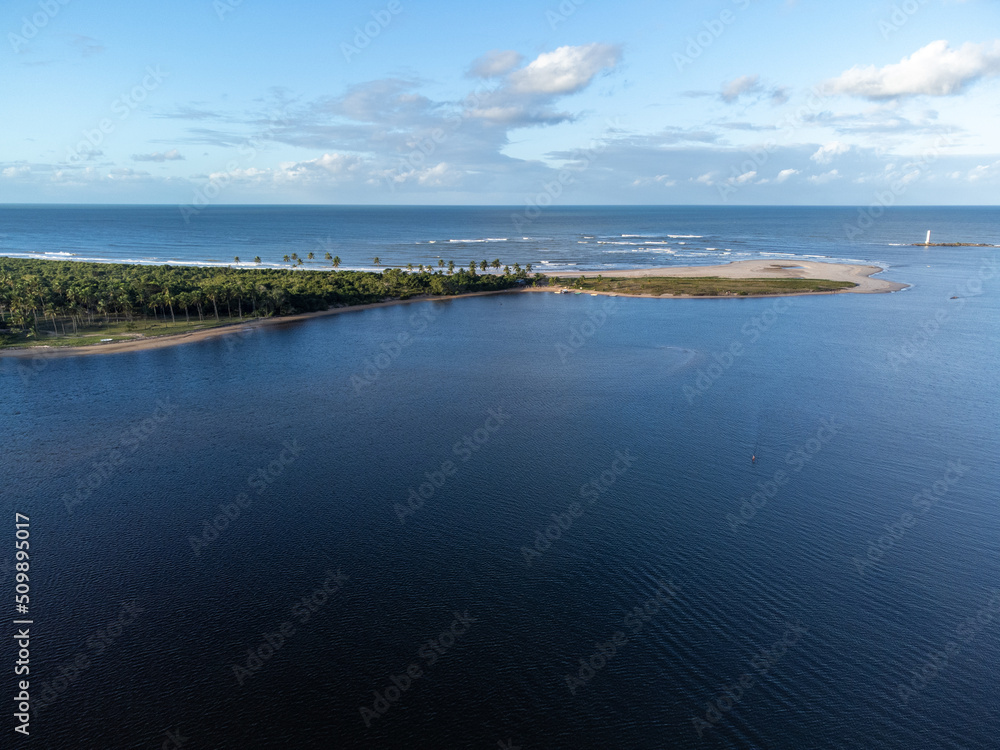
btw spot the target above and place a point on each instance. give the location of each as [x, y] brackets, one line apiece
[952, 244]
[65, 303]
[703, 286]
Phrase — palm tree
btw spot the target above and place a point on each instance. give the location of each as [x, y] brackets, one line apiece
[50, 312]
[517, 268]
[528, 268]
[440, 262]
[451, 267]
[310, 256]
[329, 257]
[295, 256]
[506, 270]
[496, 264]
[472, 268]
[256, 259]
[285, 259]
[236, 260]
[409, 267]
[336, 261]
[377, 261]
[483, 266]
[170, 301]
[421, 267]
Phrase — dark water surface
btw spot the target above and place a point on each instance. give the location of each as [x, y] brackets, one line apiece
[821, 390]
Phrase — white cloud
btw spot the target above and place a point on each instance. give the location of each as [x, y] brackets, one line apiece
[738, 86]
[12, 172]
[827, 153]
[934, 70]
[505, 115]
[565, 70]
[435, 176]
[172, 155]
[495, 63]
[745, 177]
[984, 172]
[251, 174]
[334, 163]
[822, 179]
[784, 174]
[127, 175]
[660, 179]
[525, 96]
[338, 166]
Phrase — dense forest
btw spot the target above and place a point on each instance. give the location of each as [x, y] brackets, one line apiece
[63, 297]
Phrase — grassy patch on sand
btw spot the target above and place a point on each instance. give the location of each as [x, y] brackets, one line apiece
[701, 286]
[117, 331]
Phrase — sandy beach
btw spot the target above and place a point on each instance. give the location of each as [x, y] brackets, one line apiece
[764, 269]
[749, 269]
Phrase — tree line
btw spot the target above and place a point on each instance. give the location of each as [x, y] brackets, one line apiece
[36, 293]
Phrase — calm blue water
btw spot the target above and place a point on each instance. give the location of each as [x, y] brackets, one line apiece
[576, 384]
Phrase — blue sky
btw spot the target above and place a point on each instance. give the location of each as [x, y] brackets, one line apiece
[578, 102]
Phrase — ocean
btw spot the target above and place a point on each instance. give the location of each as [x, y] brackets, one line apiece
[538, 523]
[557, 239]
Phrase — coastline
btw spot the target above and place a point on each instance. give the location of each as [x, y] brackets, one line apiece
[858, 274]
[159, 342]
[757, 269]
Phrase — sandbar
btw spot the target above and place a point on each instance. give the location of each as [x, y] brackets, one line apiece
[746, 269]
